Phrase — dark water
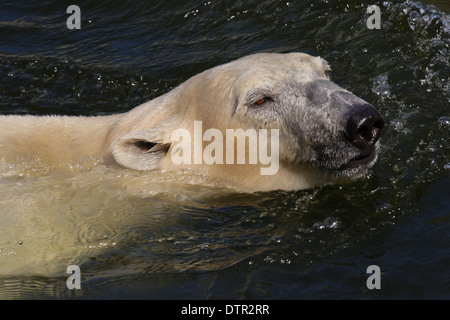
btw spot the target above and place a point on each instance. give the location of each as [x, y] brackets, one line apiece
[279, 245]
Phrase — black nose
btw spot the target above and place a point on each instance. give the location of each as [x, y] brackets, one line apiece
[364, 127]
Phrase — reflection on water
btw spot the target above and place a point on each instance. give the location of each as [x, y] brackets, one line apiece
[137, 238]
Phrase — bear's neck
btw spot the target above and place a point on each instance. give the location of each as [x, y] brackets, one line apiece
[54, 139]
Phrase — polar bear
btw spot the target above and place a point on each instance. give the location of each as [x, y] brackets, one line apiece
[313, 131]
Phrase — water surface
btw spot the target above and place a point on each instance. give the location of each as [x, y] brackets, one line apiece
[277, 245]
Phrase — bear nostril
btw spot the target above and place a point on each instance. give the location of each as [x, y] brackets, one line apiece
[364, 127]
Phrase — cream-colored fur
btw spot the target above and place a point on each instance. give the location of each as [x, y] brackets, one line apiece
[73, 187]
[218, 97]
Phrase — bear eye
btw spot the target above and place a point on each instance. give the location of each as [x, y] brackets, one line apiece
[327, 73]
[263, 100]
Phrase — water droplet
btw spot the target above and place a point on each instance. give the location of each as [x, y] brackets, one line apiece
[276, 239]
[319, 225]
[444, 121]
[332, 223]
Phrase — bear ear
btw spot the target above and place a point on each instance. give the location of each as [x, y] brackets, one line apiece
[142, 150]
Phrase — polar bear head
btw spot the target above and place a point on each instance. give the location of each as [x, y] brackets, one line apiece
[323, 131]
